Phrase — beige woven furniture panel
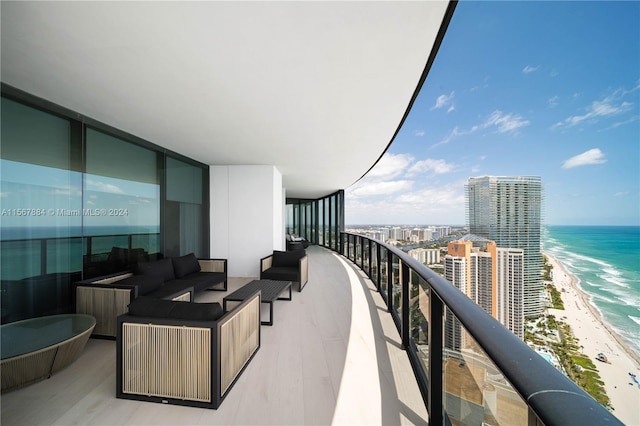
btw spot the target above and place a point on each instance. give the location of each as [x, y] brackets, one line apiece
[167, 361]
[239, 339]
[105, 304]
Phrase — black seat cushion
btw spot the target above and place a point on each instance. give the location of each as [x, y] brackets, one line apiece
[280, 273]
[162, 268]
[185, 265]
[202, 280]
[160, 308]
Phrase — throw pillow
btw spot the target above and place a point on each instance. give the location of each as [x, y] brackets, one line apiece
[162, 268]
[287, 258]
[185, 265]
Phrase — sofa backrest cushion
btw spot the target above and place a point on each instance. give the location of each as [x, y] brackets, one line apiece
[287, 258]
[161, 308]
[146, 283]
[185, 265]
[162, 268]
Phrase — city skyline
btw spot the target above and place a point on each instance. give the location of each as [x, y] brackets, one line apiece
[545, 89]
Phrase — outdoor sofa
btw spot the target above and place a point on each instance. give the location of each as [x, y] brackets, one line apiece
[177, 278]
[175, 352]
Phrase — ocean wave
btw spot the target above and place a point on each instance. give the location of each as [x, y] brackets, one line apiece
[612, 271]
[620, 282]
[634, 319]
[590, 259]
[630, 338]
[626, 298]
[595, 296]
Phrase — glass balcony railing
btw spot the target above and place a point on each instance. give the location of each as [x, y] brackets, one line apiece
[470, 369]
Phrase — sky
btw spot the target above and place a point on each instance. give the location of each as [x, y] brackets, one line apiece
[549, 89]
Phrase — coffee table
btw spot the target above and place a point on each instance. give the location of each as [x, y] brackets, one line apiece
[36, 348]
[270, 289]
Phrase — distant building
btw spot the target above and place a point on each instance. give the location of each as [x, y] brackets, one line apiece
[493, 278]
[426, 256]
[508, 210]
[455, 271]
[510, 289]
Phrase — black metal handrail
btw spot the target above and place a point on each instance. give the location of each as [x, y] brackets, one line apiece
[551, 397]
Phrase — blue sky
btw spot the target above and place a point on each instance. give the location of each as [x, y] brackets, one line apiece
[549, 89]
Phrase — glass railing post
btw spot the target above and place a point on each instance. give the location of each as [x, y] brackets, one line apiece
[378, 266]
[405, 305]
[389, 294]
[370, 260]
[434, 373]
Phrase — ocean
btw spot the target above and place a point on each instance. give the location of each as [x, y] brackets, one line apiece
[606, 260]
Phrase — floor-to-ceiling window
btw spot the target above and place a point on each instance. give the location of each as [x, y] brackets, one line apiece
[319, 221]
[121, 204]
[183, 209]
[41, 248]
[80, 200]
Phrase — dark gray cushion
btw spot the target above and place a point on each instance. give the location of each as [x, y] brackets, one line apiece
[162, 268]
[185, 265]
[160, 308]
[146, 283]
[287, 258]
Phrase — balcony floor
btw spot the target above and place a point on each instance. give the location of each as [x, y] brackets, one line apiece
[332, 356]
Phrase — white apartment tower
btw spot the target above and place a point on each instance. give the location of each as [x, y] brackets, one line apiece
[508, 210]
[510, 289]
[455, 271]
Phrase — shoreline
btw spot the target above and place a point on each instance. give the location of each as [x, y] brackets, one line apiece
[595, 335]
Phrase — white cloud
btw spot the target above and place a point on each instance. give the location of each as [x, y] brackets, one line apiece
[419, 133]
[390, 166]
[554, 101]
[609, 106]
[621, 194]
[451, 108]
[592, 156]
[430, 165]
[505, 122]
[444, 101]
[529, 69]
[633, 119]
[440, 204]
[369, 189]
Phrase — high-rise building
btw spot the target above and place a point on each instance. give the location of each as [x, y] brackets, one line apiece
[508, 210]
[509, 290]
[455, 272]
[493, 278]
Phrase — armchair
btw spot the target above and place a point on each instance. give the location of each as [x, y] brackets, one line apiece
[286, 266]
[183, 353]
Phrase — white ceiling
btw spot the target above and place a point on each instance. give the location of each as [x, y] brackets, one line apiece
[315, 88]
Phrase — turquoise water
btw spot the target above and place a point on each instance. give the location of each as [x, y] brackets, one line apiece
[606, 260]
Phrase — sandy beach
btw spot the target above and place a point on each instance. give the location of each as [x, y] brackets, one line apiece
[595, 336]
